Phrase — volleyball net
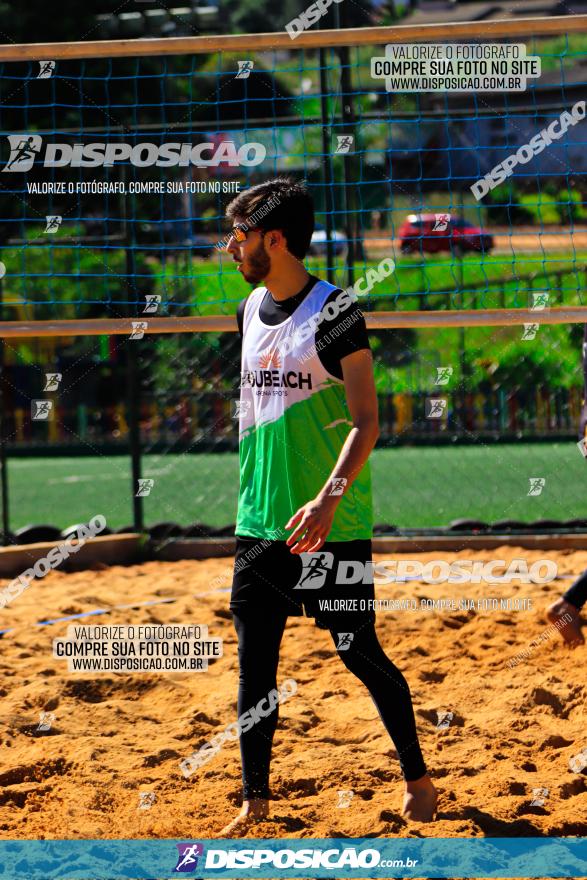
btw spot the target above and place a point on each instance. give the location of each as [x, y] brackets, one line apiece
[116, 171]
[459, 214]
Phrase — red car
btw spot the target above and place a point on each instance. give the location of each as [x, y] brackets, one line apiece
[431, 233]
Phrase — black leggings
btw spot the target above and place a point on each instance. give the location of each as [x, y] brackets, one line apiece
[577, 593]
[259, 638]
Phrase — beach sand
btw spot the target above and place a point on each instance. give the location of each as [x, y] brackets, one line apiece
[115, 736]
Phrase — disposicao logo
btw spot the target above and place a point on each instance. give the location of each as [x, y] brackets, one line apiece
[187, 860]
[24, 150]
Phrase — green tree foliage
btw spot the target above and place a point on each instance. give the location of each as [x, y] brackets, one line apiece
[504, 208]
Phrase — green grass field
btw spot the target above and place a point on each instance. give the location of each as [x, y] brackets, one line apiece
[213, 286]
[413, 486]
[216, 288]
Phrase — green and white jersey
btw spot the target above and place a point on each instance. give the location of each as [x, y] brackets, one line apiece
[293, 422]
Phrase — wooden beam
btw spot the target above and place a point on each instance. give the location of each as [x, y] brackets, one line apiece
[227, 323]
[371, 36]
[210, 548]
[455, 542]
[109, 549]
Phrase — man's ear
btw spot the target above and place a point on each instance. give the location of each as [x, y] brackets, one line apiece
[274, 238]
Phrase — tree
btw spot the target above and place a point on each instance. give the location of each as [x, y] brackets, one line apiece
[261, 16]
[30, 22]
[258, 16]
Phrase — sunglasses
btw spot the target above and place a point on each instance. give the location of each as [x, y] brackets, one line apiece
[240, 230]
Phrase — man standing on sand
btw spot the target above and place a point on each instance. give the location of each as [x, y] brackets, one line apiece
[308, 422]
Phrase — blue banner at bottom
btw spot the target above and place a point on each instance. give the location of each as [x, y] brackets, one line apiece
[361, 857]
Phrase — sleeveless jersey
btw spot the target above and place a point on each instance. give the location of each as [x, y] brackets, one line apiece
[293, 421]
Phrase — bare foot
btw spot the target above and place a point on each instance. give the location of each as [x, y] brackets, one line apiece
[568, 621]
[420, 800]
[252, 811]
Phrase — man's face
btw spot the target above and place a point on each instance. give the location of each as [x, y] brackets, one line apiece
[253, 261]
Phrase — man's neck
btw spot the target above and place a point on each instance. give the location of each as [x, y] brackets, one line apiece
[288, 282]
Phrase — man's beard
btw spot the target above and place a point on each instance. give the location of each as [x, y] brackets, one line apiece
[258, 265]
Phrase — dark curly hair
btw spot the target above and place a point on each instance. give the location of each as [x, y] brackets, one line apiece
[291, 210]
